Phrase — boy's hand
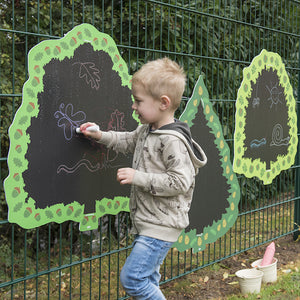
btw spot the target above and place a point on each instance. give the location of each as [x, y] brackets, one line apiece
[125, 175]
[92, 134]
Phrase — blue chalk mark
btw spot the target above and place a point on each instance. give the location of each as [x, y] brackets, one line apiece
[258, 143]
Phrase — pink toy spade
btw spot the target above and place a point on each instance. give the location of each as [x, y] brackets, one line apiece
[268, 256]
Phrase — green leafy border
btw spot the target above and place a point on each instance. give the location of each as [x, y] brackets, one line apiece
[192, 239]
[247, 166]
[24, 213]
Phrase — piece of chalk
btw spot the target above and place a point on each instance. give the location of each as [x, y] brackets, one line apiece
[90, 128]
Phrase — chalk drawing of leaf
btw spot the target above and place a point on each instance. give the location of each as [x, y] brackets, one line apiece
[69, 120]
[90, 73]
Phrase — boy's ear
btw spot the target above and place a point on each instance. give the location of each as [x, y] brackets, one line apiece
[165, 102]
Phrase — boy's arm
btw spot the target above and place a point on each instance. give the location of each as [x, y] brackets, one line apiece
[123, 142]
[178, 176]
[120, 141]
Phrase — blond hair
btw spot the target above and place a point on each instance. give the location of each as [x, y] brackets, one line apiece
[162, 77]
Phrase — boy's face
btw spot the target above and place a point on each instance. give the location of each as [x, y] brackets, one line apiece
[146, 107]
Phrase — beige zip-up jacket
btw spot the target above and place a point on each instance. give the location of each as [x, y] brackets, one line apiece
[166, 163]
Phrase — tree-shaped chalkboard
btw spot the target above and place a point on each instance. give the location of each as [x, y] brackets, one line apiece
[265, 139]
[54, 173]
[217, 193]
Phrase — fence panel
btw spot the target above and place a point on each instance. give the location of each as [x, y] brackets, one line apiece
[215, 38]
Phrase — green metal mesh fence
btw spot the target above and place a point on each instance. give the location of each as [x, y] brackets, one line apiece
[215, 38]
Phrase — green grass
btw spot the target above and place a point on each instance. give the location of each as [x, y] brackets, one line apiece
[286, 287]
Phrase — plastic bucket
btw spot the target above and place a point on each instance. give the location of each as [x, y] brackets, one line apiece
[249, 280]
[270, 271]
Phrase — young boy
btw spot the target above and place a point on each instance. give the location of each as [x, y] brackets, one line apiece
[162, 177]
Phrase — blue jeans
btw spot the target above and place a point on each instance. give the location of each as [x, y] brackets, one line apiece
[140, 274]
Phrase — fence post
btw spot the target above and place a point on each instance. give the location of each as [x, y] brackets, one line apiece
[297, 177]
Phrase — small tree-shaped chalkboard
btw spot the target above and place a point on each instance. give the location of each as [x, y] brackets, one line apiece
[214, 207]
[266, 121]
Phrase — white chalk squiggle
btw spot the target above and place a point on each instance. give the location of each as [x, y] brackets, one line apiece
[83, 162]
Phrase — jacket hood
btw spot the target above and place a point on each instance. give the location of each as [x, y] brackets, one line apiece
[182, 129]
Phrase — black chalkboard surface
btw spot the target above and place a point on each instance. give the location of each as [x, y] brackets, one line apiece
[63, 166]
[266, 128]
[211, 189]
[56, 174]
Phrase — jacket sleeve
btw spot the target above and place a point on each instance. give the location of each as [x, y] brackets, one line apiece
[177, 175]
[119, 141]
